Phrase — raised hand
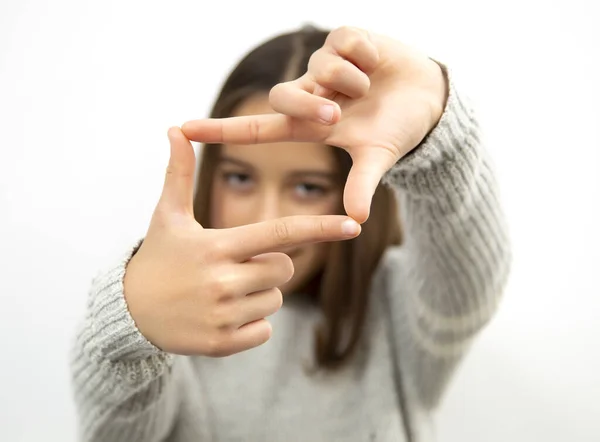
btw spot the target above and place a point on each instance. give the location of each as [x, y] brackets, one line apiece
[366, 93]
[197, 291]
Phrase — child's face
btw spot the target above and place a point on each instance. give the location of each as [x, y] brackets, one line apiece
[261, 182]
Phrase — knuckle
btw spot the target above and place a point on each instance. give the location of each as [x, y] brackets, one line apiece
[254, 130]
[348, 40]
[216, 246]
[331, 73]
[177, 171]
[344, 30]
[220, 286]
[217, 346]
[313, 61]
[322, 227]
[282, 234]
[221, 318]
[217, 249]
[338, 32]
[350, 44]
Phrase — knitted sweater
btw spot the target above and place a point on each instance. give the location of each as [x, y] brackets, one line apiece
[430, 297]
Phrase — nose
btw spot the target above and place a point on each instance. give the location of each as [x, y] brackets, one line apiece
[268, 206]
[271, 205]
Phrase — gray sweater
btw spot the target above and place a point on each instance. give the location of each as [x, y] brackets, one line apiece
[429, 299]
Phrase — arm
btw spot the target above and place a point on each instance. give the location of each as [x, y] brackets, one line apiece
[125, 388]
[456, 254]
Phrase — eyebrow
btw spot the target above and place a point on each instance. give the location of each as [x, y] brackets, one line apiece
[294, 173]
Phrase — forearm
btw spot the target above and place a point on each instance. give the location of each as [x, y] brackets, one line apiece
[456, 253]
[454, 226]
[125, 388]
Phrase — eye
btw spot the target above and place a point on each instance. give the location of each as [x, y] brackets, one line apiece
[309, 190]
[237, 180]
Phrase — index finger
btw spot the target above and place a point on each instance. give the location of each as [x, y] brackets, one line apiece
[254, 129]
[275, 235]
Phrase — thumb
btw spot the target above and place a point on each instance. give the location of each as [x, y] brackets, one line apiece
[178, 188]
[369, 165]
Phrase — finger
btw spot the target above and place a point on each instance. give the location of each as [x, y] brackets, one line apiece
[178, 188]
[321, 91]
[254, 129]
[253, 334]
[369, 165]
[241, 243]
[248, 336]
[332, 72]
[258, 273]
[291, 99]
[354, 45]
[259, 305]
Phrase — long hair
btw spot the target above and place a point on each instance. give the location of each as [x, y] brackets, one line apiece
[342, 288]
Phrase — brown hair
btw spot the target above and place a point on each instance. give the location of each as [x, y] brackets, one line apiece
[342, 288]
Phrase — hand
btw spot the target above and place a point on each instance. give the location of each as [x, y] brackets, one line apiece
[197, 291]
[368, 94]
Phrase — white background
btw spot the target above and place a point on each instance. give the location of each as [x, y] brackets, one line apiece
[88, 90]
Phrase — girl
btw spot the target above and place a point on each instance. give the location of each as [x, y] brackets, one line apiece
[175, 345]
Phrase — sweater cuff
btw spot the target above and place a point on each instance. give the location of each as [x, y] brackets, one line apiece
[114, 333]
[447, 159]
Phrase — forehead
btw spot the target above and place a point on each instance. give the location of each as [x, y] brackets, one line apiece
[282, 156]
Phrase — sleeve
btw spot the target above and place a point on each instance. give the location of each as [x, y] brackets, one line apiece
[455, 258]
[125, 388]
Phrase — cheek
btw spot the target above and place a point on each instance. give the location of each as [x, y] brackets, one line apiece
[332, 204]
[219, 208]
[227, 210]
[335, 204]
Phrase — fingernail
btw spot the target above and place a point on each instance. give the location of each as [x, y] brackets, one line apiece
[326, 113]
[350, 228]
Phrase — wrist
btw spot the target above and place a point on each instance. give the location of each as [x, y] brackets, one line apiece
[440, 90]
